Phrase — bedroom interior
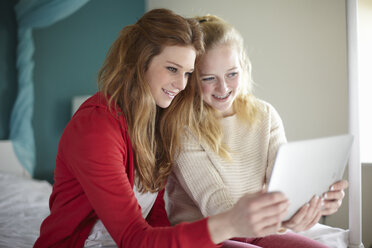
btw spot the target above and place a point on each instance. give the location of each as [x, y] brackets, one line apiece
[301, 57]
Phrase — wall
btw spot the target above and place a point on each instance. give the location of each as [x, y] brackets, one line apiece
[8, 84]
[298, 52]
[68, 56]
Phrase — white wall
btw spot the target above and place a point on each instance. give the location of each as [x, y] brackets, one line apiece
[298, 52]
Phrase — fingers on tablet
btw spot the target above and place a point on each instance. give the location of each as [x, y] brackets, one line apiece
[339, 185]
[334, 195]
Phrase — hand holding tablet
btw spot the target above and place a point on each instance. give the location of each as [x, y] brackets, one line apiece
[304, 169]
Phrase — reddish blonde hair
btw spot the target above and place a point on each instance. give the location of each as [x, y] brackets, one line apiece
[153, 132]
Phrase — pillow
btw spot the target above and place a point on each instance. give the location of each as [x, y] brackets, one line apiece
[9, 163]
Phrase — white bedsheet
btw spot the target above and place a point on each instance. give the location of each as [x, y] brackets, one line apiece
[23, 206]
[330, 236]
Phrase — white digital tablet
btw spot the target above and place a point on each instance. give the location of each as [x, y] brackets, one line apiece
[306, 168]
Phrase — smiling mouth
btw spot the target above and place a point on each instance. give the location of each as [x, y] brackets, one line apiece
[224, 97]
[171, 94]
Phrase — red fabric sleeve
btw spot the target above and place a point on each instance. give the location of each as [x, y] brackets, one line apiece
[95, 149]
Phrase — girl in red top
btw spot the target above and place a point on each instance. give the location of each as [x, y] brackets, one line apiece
[115, 154]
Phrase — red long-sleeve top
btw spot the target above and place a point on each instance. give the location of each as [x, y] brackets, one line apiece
[94, 178]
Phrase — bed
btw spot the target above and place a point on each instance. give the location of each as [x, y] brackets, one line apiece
[23, 202]
[24, 205]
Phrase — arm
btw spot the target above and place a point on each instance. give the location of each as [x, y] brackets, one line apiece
[199, 178]
[277, 137]
[96, 152]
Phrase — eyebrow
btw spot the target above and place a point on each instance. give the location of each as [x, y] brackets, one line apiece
[205, 74]
[233, 68]
[180, 66]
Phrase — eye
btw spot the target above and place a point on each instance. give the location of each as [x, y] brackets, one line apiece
[207, 79]
[232, 74]
[171, 69]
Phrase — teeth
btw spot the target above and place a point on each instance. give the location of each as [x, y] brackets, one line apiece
[169, 92]
[222, 97]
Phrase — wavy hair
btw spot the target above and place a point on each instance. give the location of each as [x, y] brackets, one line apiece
[121, 79]
[217, 32]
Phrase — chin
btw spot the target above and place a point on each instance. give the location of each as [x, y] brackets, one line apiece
[163, 105]
[225, 109]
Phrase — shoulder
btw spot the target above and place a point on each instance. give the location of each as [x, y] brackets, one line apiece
[264, 106]
[267, 111]
[189, 139]
[98, 102]
[96, 113]
[95, 126]
[95, 139]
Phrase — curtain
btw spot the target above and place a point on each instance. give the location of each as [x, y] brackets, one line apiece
[31, 14]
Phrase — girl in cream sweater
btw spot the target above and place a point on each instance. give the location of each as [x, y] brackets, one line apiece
[232, 154]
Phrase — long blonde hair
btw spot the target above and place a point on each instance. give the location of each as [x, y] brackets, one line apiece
[121, 79]
[217, 32]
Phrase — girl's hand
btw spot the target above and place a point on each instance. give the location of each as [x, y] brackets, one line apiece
[260, 214]
[254, 215]
[305, 217]
[333, 198]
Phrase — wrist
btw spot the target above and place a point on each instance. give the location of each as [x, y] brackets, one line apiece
[220, 227]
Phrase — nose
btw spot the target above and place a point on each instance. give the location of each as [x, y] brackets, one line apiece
[222, 86]
[180, 83]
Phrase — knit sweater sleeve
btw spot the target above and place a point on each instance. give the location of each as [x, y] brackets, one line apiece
[277, 137]
[95, 149]
[199, 178]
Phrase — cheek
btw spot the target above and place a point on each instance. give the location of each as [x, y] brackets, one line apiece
[206, 90]
[156, 76]
[235, 84]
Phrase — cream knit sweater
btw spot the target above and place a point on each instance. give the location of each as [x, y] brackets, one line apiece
[204, 184]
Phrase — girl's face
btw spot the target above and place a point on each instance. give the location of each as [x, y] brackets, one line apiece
[220, 76]
[169, 72]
